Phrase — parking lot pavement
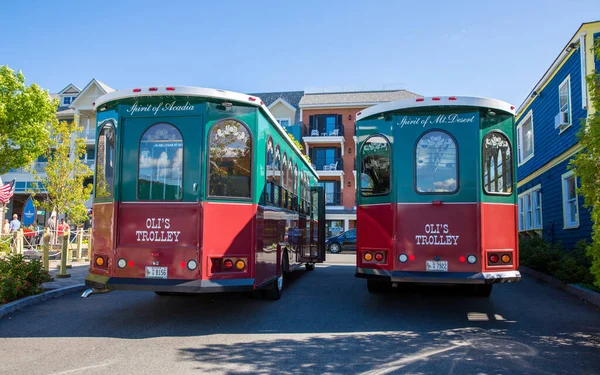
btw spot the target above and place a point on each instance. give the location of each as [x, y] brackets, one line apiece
[344, 258]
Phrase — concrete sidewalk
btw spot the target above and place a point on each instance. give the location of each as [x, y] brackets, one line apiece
[53, 289]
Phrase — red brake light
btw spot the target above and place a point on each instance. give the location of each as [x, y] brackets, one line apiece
[252, 99]
[182, 264]
[435, 98]
[358, 114]
[411, 257]
[420, 99]
[153, 89]
[512, 107]
[170, 88]
[137, 90]
[494, 258]
[452, 98]
[462, 259]
[130, 263]
[379, 257]
[228, 263]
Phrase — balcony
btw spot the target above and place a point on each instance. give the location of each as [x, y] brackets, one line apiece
[334, 199]
[333, 167]
[324, 135]
[88, 134]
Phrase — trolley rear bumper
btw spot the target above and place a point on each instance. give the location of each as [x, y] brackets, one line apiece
[169, 285]
[439, 277]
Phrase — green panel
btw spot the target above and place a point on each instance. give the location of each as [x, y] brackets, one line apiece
[132, 131]
[503, 122]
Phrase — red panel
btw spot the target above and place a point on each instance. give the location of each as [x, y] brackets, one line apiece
[102, 234]
[427, 231]
[499, 230]
[374, 230]
[228, 231]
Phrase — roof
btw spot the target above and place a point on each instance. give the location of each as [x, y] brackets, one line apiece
[103, 86]
[361, 98]
[454, 101]
[291, 97]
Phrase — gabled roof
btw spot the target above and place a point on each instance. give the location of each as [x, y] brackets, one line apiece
[347, 99]
[70, 88]
[290, 97]
[102, 86]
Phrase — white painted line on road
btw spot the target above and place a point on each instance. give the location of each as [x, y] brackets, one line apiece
[396, 365]
[82, 368]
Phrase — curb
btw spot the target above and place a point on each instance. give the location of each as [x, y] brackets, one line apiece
[583, 293]
[32, 300]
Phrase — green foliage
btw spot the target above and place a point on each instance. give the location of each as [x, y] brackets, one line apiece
[568, 266]
[65, 173]
[298, 145]
[19, 278]
[4, 246]
[587, 164]
[25, 112]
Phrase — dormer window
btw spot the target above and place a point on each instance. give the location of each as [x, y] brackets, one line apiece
[67, 100]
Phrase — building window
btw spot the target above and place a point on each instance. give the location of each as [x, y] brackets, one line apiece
[436, 163]
[497, 164]
[230, 160]
[105, 167]
[333, 195]
[570, 201]
[284, 121]
[525, 138]
[564, 99]
[375, 169]
[325, 125]
[530, 209]
[160, 164]
[326, 159]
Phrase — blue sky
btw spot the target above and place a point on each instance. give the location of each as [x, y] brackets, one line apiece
[497, 49]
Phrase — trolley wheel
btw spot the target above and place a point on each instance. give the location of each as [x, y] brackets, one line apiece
[310, 266]
[482, 290]
[274, 291]
[376, 286]
[335, 248]
[285, 264]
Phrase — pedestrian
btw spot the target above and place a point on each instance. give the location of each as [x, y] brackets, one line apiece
[15, 224]
[6, 227]
[62, 227]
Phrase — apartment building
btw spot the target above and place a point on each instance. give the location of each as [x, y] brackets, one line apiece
[547, 125]
[328, 137]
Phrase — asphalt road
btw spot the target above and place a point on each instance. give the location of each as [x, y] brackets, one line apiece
[326, 322]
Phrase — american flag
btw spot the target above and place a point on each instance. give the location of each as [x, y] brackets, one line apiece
[7, 191]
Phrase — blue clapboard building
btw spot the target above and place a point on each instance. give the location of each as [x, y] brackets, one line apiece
[547, 124]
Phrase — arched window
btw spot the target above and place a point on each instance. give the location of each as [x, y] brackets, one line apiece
[436, 163]
[269, 163]
[497, 164]
[284, 170]
[277, 176]
[295, 179]
[230, 160]
[160, 164]
[105, 161]
[375, 176]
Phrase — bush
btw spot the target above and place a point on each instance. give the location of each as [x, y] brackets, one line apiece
[19, 278]
[568, 266]
[4, 247]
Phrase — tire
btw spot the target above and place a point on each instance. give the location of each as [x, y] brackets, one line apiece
[285, 264]
[310, 266]
[335, 248]
[274, 291]
[482, 290]
[378, 287]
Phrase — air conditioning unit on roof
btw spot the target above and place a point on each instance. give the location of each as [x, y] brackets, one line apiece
[561, 120]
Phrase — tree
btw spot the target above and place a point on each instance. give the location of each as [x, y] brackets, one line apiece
[25, 112]
[587, 165]
[299, 146]
[65, 173]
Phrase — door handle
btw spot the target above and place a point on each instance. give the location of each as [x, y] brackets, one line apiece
[195, 187]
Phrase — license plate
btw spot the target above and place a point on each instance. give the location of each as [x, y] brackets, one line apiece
[437, 265]
[156, 272]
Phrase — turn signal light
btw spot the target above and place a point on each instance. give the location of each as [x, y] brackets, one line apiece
[240, 264]
[99, 261]
[494, 258]
[505, 258]
[368, 257]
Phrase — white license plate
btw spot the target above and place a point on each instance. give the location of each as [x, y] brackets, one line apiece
[156, 272]
[437, 265]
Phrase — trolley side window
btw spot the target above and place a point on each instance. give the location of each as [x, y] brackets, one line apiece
[105, 165]
[497, 164]
[375, 176]
[270, 171]
[230, 160]
[436, 163]
[160, 164]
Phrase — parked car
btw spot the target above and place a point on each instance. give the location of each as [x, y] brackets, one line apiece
[344, 241]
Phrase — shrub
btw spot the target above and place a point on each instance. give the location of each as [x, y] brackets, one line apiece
[538, 254]
[19, 278]
[4, 247]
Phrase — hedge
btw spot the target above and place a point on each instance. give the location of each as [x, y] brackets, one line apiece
[20, 278]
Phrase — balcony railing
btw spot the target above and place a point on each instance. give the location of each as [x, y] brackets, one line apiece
[333, 199]
[90, 163]
[88, 134]
[328, 164]
[320, 131]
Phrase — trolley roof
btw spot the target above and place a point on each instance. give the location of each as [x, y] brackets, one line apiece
[436, 101]
[200, 92]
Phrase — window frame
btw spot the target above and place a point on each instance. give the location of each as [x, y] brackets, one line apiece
[269, 181]
[566, 82]
[110, 123]
[288, 119]
[415, 164]
[391, 156]
[512, 168]
[520, 160]
[523, 209]
[207, 175]
[565, 202]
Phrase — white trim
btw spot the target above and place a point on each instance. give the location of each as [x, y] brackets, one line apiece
[324, 139]
[534, 189]
[336, 173]
[566, 81]
[563, 178]
[442, 102]
[337, 105]
[285, 103]
[68, 87]
[582, 56]
[520, 138]
[85, 89]
[161, 91]
[289, 120]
